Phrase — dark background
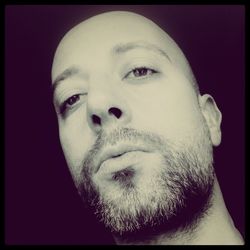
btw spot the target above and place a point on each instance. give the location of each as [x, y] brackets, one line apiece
[41, 202]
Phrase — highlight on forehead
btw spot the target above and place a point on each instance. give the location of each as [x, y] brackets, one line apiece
[113, 20]
[115, 16]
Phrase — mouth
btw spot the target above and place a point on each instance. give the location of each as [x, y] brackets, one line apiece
[116, 152]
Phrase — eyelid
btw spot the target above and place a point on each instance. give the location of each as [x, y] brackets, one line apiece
[62, 94]
[68, 88]
[130, 62]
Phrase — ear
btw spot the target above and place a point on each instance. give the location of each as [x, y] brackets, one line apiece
[212, 117]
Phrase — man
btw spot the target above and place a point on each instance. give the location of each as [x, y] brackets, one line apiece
[137, 134]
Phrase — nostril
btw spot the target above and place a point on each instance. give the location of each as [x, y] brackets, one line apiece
[116, 112]
[96, 119]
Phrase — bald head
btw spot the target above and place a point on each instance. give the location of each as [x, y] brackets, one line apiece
[113, 29]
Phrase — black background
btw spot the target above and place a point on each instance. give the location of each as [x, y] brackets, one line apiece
[41, 202]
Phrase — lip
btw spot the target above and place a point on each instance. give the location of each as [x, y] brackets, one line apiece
[117, 151]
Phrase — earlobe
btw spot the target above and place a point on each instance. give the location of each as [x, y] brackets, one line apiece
[212, 117]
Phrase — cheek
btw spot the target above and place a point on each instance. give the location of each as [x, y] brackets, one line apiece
[168, 109]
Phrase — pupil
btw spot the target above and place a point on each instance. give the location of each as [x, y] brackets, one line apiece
[140, 72]
[72, 100]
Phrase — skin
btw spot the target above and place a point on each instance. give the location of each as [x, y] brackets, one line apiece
[104, 78]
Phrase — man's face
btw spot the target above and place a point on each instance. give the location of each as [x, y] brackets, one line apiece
[130, 123]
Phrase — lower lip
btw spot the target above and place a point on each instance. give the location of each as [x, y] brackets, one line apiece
[129, 159]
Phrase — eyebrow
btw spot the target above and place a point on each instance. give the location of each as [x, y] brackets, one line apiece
[118, 49]
[123, 48]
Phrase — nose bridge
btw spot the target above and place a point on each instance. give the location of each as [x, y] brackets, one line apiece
[102, 90]
[106, 105]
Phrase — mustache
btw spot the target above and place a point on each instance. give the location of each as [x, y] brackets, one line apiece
[121, 135]
[130, 135]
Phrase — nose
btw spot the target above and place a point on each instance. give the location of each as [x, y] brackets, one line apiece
[105, 110]
[98, 119]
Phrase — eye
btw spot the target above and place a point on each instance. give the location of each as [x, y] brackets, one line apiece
[140, 72]
[69, 103]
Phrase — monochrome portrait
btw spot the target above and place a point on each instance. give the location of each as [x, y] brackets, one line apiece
[125, 125]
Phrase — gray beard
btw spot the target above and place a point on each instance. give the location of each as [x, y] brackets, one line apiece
[178, 198]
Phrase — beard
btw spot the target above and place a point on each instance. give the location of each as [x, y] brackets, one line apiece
[174, 194]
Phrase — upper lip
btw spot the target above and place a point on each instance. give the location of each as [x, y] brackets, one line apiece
[115, 151]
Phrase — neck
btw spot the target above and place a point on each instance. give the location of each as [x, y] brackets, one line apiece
[215, 228]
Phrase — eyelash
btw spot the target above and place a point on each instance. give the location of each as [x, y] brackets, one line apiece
[137, 69]
[63, 107]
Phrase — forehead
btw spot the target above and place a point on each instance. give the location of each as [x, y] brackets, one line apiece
[93, 39]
